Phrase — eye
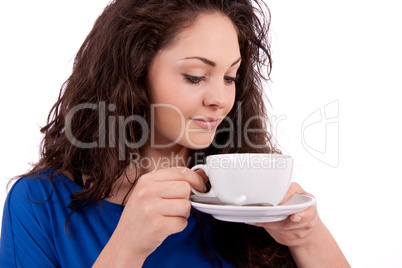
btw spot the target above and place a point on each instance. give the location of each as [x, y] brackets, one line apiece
[230, 80]
[194, 80]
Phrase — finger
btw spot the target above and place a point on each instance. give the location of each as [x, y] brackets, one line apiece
[175, 224]
[280, 226]
[203, 175]
[195, 179]
[174, 189]
[304, 216]
[296, 218]
[181, 174]
[295, 221]
[294, 188]
[175, 208]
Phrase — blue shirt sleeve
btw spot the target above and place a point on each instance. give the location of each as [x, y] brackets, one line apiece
[24, 242]
[35, 232]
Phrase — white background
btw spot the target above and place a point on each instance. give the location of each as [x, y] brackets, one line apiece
[345, 55]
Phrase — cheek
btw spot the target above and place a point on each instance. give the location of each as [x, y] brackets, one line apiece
[169, 88]
[166, 123]
[176, 107]
[168, 114]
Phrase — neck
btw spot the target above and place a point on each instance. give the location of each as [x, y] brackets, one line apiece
[151, 160]
[161, 158]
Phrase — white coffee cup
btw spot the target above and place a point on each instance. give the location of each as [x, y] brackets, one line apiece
[245, 179]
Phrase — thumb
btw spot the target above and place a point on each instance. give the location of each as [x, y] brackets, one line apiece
[294, 188]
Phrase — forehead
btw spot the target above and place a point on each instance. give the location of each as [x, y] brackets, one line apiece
[212, 36]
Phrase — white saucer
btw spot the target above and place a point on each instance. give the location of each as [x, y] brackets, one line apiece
[252, 214]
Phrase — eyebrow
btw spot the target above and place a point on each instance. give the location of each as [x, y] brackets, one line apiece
[209, 62]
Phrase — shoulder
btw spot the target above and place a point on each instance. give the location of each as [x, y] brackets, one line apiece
[35, 210]
[36, 203]
[43, 188]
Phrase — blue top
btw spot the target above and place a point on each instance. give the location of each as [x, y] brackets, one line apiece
[33, 231]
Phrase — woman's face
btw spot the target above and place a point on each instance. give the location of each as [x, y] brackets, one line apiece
[192, 83]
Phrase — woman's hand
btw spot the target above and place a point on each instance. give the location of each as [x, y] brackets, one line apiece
[157, 207]
[297, 229]
[309, 241]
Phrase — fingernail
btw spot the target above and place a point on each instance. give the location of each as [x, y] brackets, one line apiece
[296, 219]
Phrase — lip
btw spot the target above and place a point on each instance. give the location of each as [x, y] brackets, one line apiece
[206, 122]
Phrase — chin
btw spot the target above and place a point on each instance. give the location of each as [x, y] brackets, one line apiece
[199, 142]
[200, 147]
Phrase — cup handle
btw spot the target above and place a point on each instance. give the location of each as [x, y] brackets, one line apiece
[210, 193]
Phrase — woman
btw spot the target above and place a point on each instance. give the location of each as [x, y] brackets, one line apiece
[156, 86]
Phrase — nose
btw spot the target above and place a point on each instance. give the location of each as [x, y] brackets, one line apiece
[219, 96]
